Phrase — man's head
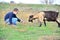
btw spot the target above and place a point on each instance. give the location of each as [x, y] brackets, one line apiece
[15, 10]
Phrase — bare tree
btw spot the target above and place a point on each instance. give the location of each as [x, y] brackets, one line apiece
[47, 1]
[12, 2]
[51, 1]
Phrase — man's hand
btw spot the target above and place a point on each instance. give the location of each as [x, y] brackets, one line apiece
[22, 21]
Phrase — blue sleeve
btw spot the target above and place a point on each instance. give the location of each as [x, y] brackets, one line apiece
[18, 20]
[10, 18]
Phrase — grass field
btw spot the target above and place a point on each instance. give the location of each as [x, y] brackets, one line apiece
[28, 31]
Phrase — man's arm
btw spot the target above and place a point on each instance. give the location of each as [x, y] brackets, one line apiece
[18, 20]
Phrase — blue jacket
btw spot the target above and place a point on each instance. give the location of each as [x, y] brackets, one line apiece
[9, 16]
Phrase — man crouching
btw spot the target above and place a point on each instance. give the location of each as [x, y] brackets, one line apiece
[11, 18]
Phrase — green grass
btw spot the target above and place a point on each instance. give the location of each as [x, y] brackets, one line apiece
[29, 31]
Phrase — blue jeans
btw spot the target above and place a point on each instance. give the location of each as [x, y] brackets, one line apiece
[14, 21]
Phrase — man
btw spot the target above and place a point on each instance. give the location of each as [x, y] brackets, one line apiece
[11, 18]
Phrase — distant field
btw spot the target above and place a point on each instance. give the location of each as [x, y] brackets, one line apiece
[28, 31]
